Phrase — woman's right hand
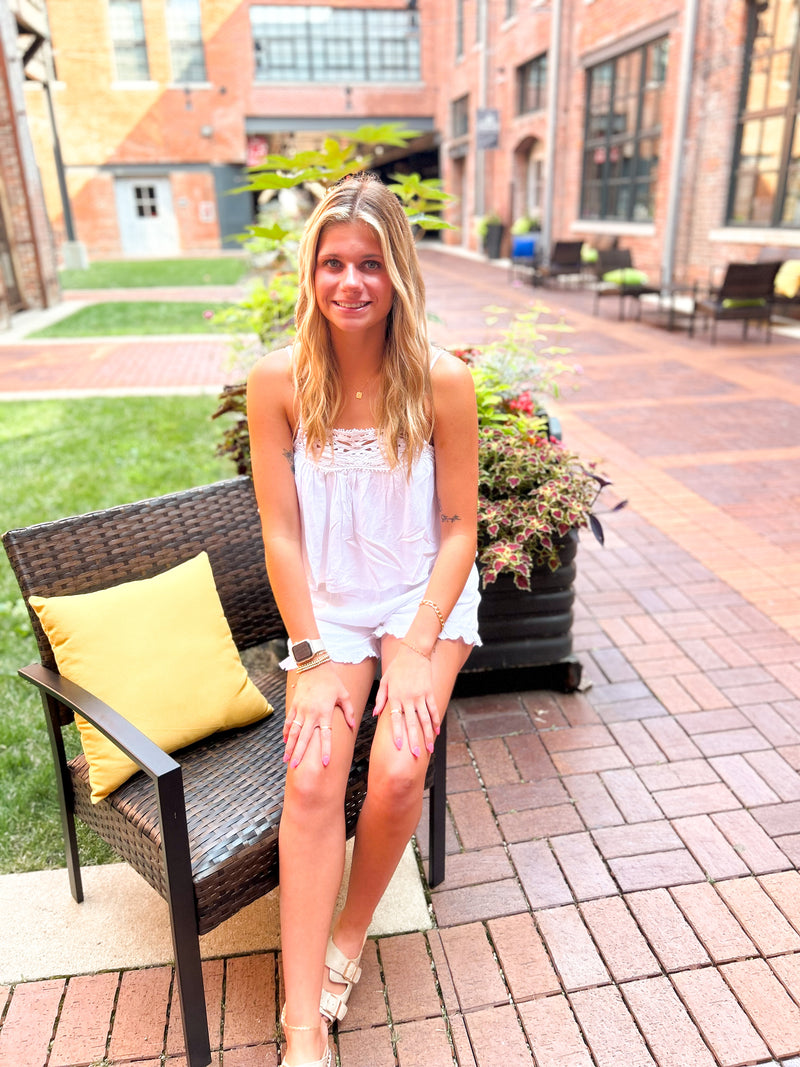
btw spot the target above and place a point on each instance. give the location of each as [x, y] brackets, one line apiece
[316, 694]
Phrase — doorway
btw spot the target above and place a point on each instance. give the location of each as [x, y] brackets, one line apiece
[147, 223]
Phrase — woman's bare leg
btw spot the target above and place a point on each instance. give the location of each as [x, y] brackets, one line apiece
[312, 840]
[391, 810]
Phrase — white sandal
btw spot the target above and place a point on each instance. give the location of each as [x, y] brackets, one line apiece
[342, 971]
[326, 1059]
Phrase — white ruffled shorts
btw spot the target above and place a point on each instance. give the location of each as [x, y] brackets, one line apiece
[351, 625]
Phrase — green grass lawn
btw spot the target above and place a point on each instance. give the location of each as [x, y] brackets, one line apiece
[145, 317]
[60, 458]
[136, 273]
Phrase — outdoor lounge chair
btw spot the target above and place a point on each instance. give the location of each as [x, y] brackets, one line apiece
[628, 281]
[746, 295]
[202, 827]
[564, 259]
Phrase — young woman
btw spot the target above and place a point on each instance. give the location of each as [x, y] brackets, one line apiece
[364, 450]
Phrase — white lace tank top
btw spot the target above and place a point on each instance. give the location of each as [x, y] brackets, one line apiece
[366, 527]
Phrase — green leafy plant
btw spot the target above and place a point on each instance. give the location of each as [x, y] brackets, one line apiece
[485, 221]
[532, 490]
[525, 224]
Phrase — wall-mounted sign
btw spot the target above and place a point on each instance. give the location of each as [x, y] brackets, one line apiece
[487, 127]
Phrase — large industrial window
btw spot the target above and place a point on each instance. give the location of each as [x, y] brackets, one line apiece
[765, 178]
[186, 41]
[128, 40]
[532, 85]
[335, 44]
[622, 138]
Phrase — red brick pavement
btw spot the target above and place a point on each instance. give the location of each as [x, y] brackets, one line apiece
[621, 882]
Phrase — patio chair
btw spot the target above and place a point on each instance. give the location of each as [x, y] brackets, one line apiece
[617, 276]
[746, 295]
[564, 260]
[200, 827]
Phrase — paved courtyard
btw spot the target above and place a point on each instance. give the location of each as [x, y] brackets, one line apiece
[621, 884]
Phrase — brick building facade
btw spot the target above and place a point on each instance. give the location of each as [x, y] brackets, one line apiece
[666, 125]
[28, 277]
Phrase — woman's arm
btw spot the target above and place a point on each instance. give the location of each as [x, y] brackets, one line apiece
[408, 682]
[270, 400]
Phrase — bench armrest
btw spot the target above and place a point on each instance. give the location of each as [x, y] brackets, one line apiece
[137, 746]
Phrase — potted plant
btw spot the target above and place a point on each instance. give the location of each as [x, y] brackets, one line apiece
[490, 231]
[525, 224]
[534, 497]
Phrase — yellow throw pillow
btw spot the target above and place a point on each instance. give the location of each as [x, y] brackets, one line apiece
[787, 280]
[160, 652]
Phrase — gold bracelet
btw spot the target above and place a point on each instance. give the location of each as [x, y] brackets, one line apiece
[414, 648]
[316, 661]
[436, 608]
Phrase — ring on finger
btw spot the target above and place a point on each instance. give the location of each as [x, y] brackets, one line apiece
[297, 722]
[326, 728]
[396, 711]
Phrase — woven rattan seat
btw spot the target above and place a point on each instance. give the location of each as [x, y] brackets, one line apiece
[200, 826]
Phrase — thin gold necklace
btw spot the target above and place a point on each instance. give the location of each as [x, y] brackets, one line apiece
[360, 392]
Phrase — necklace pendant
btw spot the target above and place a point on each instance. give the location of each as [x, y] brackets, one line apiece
[359, 394]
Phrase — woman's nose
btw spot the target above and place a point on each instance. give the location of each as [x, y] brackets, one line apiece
[351, 275]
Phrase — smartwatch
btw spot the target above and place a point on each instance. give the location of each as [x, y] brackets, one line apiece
[302, 651]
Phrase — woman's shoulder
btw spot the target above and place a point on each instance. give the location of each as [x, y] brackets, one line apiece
[447, 369]
[276, 362]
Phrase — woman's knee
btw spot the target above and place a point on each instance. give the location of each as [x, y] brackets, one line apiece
[397, 785]
[312, 793]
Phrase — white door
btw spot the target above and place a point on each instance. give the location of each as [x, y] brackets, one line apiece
[147, 223]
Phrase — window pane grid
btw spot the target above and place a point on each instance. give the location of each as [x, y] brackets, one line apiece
[532, 85]
[764, 178]
[126, 24]
[334, 44]
[186, 41]
[623, 131]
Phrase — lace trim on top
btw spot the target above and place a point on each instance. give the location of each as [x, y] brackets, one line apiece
[352, 449]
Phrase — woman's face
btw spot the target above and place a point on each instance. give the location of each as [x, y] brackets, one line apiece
[351, 282]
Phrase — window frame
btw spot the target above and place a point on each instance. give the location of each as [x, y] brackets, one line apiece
[635, 190]
[191, 40]
[788, 115]
[313, 34]
[129, 46]
[523, 84]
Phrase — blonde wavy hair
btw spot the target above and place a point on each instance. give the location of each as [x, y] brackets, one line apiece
[403, 409]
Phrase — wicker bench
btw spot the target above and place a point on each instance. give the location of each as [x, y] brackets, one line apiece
[201, 828]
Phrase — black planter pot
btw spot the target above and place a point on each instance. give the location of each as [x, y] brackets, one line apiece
[527, 635]
[493, 240]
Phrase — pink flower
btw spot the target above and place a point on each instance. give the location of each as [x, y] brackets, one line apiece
[208, 314]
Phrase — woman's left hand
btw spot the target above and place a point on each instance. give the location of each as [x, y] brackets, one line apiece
[406, 694]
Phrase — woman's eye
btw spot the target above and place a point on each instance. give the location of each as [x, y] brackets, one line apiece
[330, 263]
[372, 264]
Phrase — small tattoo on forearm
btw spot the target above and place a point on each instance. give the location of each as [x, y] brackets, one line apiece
[288, 455]
[451, 518]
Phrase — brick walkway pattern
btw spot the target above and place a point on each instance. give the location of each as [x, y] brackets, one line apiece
[621, 884]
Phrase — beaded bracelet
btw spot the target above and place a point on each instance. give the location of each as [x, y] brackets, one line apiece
[436, 608]
[316, 661]
[419, 652]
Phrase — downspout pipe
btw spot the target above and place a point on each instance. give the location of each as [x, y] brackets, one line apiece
[678, 141]
[553, 75]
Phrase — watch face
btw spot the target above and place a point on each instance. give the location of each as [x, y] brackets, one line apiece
[302, 651]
